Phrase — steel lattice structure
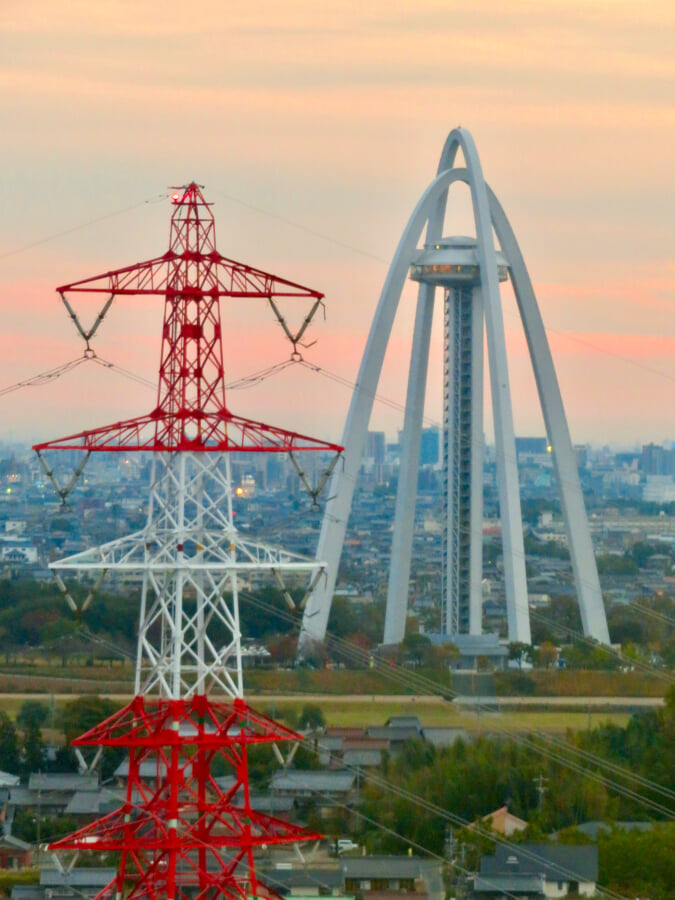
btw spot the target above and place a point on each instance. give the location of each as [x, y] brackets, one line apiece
[178, 833]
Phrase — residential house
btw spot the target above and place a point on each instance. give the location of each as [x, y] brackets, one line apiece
[50, 792]
[503, 822]
[14, 853]
[81, 883]
[593, 828]
[305, 882]
[324, 789]
[538, 871]
[377, 877]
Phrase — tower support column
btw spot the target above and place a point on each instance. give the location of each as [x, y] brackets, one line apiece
[406, 494]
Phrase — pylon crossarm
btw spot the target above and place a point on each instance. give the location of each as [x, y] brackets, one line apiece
[141, 552]
[63, 492]
[147, 722]
[226, 827]
[221, 277]
[217, 432]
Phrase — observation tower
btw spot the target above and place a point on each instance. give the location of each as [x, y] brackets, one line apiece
[469, 271]
[178, 833]
[452, 264]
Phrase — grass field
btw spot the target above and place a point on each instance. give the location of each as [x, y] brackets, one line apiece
[359, 698]
[360, 712]
[44, 676]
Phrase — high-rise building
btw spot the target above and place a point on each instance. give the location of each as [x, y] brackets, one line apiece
[468, 271]
[532, 446]
[430, 446]
[657, 460]
[375, 447]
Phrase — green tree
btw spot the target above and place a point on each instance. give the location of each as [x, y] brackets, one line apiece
[32, 712]
[520, 653]
[32, 750]
[590, 655]
[83, 714]
[10, 760]
[418, 649]
[312, 717]
[639, 863]
[25, 826]
[611, 564]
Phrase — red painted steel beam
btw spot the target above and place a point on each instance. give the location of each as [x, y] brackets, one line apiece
[216, 433]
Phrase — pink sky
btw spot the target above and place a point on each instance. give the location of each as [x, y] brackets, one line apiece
[315, 127]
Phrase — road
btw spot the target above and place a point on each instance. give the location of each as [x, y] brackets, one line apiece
[403, 700]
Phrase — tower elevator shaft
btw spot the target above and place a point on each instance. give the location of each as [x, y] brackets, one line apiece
[462, 460]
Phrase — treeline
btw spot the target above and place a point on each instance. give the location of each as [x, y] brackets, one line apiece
[23, 743]
[34, 615]
[553, 788]
[645, 627]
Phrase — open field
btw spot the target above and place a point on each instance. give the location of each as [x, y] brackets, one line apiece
[44, 676]
[433, 712]
[360, 712]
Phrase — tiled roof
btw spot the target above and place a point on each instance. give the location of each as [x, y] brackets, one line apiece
[62, 781]
[298, 780]
[558, 862]
[382, 866]
[281, 879]
[507, 884]
[80, 876]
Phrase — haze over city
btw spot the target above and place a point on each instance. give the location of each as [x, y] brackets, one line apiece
[315, 128]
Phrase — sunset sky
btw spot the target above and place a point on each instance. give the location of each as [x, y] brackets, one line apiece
[315, 127]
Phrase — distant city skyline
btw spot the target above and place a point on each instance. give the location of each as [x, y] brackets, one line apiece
[313, 128]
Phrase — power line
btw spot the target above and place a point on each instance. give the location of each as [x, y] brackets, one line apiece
[419, 684]
[59, 234]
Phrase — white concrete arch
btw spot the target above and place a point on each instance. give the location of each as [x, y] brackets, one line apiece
[509, 498]
[430, 211]
[343, 482]
[589, 594]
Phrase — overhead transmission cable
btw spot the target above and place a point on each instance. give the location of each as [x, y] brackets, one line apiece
[420, 683]
[556, 757]
[58, 234]
[386, 262]
[448, 816]
[328, 238]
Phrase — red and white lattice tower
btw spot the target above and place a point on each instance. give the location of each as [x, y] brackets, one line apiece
[178, 834]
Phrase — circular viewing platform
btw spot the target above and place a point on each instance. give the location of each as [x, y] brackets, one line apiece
[451, 262]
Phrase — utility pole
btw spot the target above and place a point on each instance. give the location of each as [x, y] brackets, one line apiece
[461, 878]
[450, 844]
[541, 785]
[39, 816]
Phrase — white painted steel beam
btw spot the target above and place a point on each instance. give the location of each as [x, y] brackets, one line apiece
[515, 582]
